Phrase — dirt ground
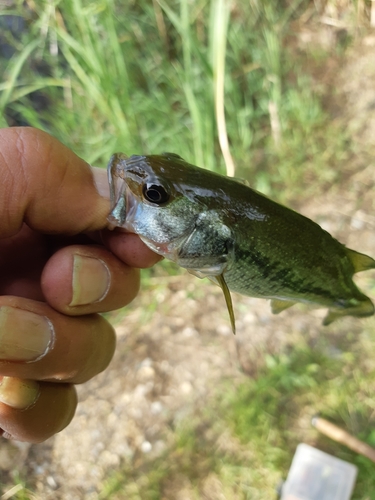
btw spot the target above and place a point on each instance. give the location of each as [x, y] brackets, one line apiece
[168, 360]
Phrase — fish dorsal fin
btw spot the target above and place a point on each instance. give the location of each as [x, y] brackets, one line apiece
[360, 261]
[240, 180]
[228, 299]
[278, 305]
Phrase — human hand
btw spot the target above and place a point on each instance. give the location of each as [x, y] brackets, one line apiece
[59, 268]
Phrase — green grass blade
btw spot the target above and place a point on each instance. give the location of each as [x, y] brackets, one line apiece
[14, 69]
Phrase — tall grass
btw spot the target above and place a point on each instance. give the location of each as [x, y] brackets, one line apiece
[206, 79]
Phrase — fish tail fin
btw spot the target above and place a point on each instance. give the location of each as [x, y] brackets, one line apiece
[360, 261]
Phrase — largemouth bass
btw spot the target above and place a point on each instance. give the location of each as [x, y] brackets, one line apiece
[219, 228]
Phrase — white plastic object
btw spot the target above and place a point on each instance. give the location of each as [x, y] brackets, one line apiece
[315, 475]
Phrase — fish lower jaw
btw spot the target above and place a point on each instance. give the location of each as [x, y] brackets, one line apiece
[165, 249]
[168, 249]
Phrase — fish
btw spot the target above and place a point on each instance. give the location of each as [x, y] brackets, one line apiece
[220, 228]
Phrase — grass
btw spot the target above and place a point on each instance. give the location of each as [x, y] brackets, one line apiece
[267, 413]
[104, 77]
[146, 77]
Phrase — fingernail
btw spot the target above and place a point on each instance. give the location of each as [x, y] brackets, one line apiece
[91, 280]
[18, 393]
[24, 335]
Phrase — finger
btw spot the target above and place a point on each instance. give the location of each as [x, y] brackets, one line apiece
[33, 412]
[129, 248]
[46, 185]
[22, 258]
[39, 343]
[86, 279]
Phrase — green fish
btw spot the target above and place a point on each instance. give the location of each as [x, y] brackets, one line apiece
[219, 228]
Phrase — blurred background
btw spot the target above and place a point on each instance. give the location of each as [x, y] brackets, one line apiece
[281, 93]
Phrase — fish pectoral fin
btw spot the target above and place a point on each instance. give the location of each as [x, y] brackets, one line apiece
[219, 279]
[278, 305]
[360, 261]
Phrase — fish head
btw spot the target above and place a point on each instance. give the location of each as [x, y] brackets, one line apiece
[150, 196]
[176, 210]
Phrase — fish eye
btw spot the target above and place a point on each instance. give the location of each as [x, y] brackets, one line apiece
[155, 193]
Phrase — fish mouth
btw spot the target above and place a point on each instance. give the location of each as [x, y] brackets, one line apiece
[123, 205]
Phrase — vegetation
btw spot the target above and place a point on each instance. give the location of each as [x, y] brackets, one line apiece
[244, 440]
[145, 77]
[107, 76]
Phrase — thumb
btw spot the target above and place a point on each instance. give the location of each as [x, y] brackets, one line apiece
[46, 185]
